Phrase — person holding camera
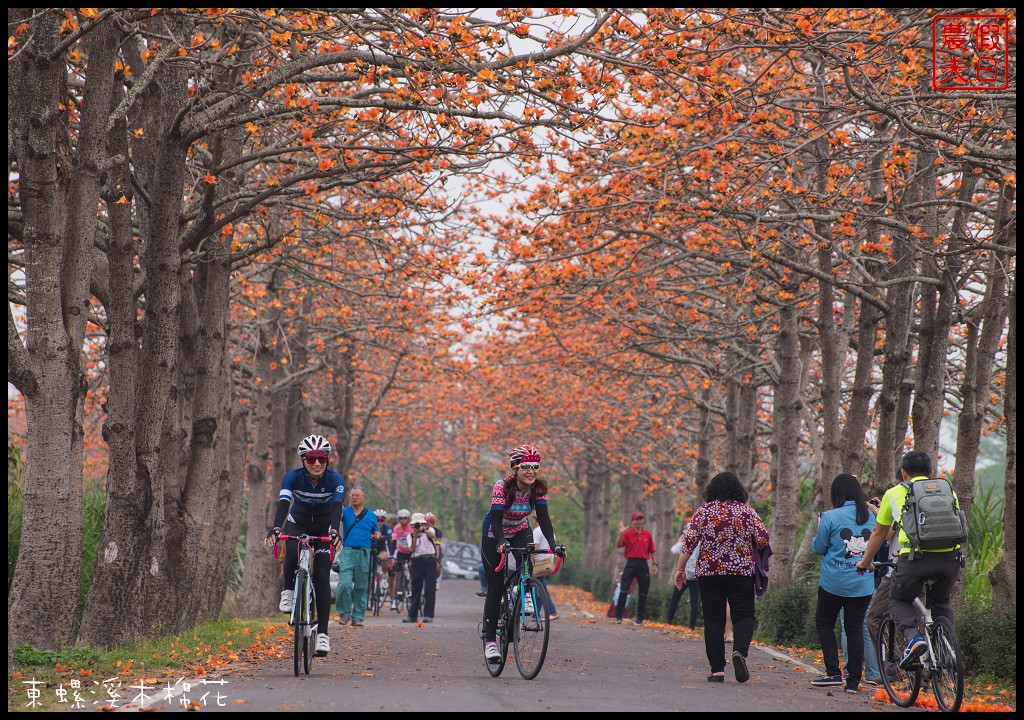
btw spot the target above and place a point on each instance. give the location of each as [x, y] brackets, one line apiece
[513, 499]
[424, 565]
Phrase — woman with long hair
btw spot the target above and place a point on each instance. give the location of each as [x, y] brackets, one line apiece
[841, 539]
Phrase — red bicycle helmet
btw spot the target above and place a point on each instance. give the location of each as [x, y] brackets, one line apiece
[522, 453]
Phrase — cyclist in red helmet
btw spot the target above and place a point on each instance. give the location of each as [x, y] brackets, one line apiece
[513, 499]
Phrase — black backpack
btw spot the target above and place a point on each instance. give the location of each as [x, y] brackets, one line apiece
[931, 517]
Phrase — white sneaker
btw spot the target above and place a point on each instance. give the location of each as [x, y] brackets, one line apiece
[287, 597]
[394, 604]
[529, 605]
[491, 653]
[323, 644]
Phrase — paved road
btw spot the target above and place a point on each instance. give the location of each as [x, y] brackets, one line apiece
[592, 665]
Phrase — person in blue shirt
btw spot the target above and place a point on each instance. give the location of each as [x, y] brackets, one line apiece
[310, 503]
[359, 531]
[841, 539]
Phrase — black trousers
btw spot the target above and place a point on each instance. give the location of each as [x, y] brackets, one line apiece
[496, 580]
[321, 571]
[825, 618]
[908, 582]
[694, 587]
[738, 592]
[423, 569]
[635, 568]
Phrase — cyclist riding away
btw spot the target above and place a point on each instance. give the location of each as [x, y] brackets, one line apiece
[913, 568]
[311, 501]
[513, 499]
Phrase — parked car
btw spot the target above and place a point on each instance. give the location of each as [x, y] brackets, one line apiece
[459, 559]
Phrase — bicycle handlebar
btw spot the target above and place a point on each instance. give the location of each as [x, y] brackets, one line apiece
[532, 550]
[876, 565]
[305, 538]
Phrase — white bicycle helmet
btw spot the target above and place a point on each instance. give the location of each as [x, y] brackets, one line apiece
[313, 442]
[381, 513]
[403, 513]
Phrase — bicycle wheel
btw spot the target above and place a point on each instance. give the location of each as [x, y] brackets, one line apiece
[404, 590]
[902, 685]
[374, 599]
[530, 632]
[947, 666]
[500, 637]
[298, 620]
[380, 590]
[309, 643]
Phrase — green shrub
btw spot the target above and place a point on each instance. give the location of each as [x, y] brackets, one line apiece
[15, 470]
[785, 614]
[984, 544]
[988, 640]
[94, 514]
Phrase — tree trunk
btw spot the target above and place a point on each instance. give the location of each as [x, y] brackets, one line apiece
[116, 613]
[741, 427]
[44, 595]
[344, 406]
[1004, 575]
[705, 449]
[596, 513]
[208, 483]
[857, 413]
[259, 581]
[937, 306]
[786, 443]
[897, 355]
[984, 331]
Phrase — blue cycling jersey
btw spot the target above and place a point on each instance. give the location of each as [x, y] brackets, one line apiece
[308, 498]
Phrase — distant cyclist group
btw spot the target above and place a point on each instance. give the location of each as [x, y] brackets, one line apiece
[406, 548]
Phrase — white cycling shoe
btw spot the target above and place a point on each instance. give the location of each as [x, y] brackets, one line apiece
[287, 598]
[529, 605]
[323, 644]
[491, 653]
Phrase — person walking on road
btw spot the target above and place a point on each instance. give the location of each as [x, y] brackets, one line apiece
[726, 528]
[841, 538]
[692, 584]
[359, 531]
[639, 547]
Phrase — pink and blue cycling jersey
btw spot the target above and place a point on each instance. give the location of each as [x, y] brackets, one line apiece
[516, 515]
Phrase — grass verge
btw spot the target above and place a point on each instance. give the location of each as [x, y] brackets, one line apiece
[95, 679]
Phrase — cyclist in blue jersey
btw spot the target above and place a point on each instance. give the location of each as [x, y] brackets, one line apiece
[311, 502]
[513, 499]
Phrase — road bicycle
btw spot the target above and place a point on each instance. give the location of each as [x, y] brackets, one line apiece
[378, 590]
[303, 618]
[403, 590]
[523, 614]
[942, 665]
